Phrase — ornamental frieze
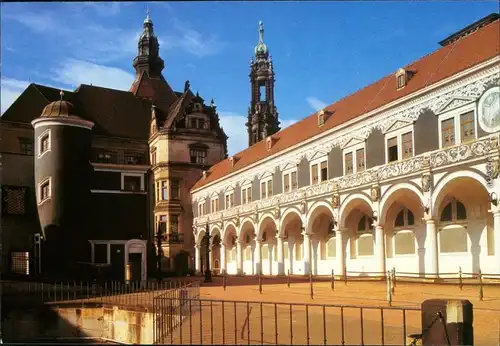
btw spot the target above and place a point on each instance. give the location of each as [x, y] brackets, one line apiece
[463, 152]
[420, 164]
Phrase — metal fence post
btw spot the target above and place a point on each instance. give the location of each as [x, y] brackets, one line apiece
[333, 281]
[460, 278]
[288, 278]
[481, 292]
[224, 280]
[260, 282]
[389, 290]
[393, 278]
[311, 284]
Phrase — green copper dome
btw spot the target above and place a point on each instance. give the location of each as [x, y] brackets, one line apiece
[261, 47]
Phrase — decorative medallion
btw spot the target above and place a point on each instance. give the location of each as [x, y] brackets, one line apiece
[375, 193]
[492, 170]
[426, 182]
[335, 200]
[489, 110]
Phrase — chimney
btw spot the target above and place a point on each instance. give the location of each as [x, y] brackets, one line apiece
[233, 160]
[205, 174]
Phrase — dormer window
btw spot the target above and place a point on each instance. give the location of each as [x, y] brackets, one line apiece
[323, 116]
[198, 156]
[269, 142]
[196, 107]
[401, 78]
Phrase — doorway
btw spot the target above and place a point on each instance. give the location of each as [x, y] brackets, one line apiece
[135, 261]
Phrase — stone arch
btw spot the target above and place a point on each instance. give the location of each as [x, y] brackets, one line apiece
[263, 222]
[440, 190]
[350, 203]
[215, 231]
[394, 193]
[315, 210]
[289, 212]
[229, 228]
[245, 225]
[199, 236]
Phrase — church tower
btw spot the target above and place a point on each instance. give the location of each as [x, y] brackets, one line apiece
[262, 113]
[148, 58]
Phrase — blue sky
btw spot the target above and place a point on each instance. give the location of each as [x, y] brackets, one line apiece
[322, 51]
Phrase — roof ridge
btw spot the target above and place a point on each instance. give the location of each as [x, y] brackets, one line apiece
[432, 71]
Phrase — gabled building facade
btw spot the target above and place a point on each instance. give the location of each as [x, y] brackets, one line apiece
[98, 177]
[401, 174]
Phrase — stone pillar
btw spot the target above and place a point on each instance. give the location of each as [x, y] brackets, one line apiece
[258, 257]
[380, 249]
[307, 254]
[339, 252]
[239, 258]
[197, 256]
[447, 322]
[222, 258]
[281, 262]
[496, 236]
[431, 251]
[211, 256]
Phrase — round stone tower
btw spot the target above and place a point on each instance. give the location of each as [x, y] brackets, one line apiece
[62, 176]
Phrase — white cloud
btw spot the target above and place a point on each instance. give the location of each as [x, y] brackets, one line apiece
[193, 41]
[103, 8]
[235, 129]
[316, 103]
[75, 72]
[39, 22]
[10, 90]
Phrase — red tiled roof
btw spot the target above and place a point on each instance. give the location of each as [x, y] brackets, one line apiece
[468, 51]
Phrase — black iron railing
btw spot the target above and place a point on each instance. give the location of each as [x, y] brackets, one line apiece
[185, 320]
[129, 294]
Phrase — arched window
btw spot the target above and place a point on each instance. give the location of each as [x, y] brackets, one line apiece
[365, 224]
[453, 211]
[405, 218]
[264, 237]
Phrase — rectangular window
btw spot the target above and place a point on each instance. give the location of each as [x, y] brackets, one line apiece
[131, 183]
[407, 143]
[153, 156]
[467, 126]
[174, 189]
[26, 146]
[193, 123]
[286, 182]
[269, 188]
[314, 174]
[448, 132]
[174, 224]
[201, 209]
[45, 190]
[324, 171]
[14, 200]
[44, 143]
[134, 158]
[401, 81]
[392, 149]
[201, 123]
[360, 160]
[246, 195]
[294, 181]
[348, 163]
[266, 189]
[162, 224]
[198, 156]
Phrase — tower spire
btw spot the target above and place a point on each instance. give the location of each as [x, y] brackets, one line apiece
[148, 51]
[261, 32]
[262, 113]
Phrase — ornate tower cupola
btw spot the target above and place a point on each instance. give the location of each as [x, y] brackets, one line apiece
[148, 57]
[262, 113]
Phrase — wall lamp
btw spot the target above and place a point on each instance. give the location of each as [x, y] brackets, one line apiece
[494, 199]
